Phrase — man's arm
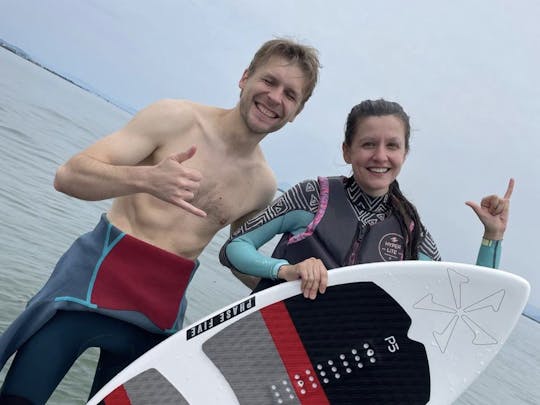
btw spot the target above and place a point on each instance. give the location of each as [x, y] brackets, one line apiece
[249, 281]
[115, 165]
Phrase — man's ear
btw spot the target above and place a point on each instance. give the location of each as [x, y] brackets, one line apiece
[243, 79]
[346, 153]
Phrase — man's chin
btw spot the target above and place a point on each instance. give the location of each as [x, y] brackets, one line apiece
[263, 129]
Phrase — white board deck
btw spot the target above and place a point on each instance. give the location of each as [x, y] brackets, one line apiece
[462, 314]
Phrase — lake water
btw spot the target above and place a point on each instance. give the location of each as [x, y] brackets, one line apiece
[43, 121]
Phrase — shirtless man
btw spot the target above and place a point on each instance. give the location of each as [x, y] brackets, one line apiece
[178, 173]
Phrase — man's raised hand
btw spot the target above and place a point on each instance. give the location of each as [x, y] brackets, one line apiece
[177, 183]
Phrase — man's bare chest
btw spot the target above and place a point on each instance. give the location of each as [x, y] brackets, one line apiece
[226, 197]
[230, 187]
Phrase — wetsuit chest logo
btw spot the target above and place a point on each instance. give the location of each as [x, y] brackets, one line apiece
[391, 247]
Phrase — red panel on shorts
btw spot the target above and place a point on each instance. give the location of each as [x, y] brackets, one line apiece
[138, 276]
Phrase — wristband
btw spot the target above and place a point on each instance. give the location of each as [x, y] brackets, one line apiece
[488, 242]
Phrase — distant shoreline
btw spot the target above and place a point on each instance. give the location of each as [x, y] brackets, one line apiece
[532, 313]
[21, 53]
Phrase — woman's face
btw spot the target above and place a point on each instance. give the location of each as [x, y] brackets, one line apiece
[376, 153]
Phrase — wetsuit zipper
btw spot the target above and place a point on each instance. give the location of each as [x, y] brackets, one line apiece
[361, 231]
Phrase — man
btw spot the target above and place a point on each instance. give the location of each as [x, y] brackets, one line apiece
[178, 172]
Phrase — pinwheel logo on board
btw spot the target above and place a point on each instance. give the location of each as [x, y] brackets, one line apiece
[490, 302]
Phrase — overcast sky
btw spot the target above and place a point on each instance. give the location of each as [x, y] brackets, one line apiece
[466, 71]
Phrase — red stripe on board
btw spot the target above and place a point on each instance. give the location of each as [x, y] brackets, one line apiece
[118, 397]
[293, 354]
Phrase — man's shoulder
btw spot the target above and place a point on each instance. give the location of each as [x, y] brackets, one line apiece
[182, 106]
[178, 114]
[261, 171]
[266, 182]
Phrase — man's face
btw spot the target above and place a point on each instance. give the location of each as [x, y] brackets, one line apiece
[272, 95]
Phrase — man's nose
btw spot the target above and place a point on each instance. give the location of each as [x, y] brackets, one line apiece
[275, 94]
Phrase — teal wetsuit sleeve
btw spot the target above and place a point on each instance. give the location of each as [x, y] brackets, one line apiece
[242, 251]
[489, 254]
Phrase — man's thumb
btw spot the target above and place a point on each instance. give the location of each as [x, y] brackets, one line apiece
[183, 156]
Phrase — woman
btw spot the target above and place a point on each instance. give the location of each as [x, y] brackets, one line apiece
[337, 221]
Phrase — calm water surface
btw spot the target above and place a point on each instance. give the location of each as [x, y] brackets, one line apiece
[43, 121]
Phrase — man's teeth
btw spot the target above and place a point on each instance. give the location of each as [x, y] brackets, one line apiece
[378, 169]
[266, 111]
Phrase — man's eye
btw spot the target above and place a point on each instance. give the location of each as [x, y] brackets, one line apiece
[291, 96]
